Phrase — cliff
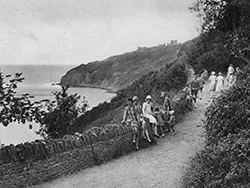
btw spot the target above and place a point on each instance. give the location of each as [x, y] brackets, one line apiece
[118, 72]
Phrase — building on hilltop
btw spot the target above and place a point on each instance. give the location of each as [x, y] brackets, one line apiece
[174, 42]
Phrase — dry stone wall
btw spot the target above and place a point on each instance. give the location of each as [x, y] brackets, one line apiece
[44, 160]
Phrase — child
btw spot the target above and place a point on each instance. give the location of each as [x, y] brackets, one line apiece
[172, 121]
[158, 115]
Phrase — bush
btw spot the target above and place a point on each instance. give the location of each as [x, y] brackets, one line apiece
[225, 161]
[60, 115]
[226, 164]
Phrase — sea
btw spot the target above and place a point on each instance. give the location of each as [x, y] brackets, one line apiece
[40, 82]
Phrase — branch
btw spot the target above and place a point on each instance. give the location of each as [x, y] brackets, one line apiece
[243, 58]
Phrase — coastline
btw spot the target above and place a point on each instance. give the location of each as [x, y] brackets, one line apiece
[108, 90]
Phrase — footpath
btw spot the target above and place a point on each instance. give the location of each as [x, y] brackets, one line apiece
[159, 166]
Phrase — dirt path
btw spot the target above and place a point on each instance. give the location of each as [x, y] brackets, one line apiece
[158, 166]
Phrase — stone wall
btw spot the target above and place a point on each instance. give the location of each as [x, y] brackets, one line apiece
[44, 160]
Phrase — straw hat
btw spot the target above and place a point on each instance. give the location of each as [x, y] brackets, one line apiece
[171, 112]
[213, 73]
[148, 97]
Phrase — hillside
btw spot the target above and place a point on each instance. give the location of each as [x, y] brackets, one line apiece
[118, 72]
[171, 77]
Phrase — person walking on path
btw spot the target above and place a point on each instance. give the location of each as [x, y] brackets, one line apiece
[195, 88]
[237, 73]
[138, 113]
[230, 70]
[189, 97]
[129, 118]
[212, 86]
[230, 75]
[219, 83]
[201, 81]
[147, 113]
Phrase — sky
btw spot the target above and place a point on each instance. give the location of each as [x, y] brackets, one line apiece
[80, 31]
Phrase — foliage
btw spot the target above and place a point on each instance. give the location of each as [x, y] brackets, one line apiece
[1, 83]
[55, 117]
[225, 33]
[230, 113]
[60, 115]
[225, 161]
[16, 108]
[225, 164]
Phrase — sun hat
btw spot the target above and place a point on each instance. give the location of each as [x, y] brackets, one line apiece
[220, 73]
[213, 73]
[171, 112]
[135, 98]
[148, 97]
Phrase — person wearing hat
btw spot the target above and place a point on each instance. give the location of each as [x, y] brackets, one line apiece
[138, 113]
[129, 118]
[201, 81]
[230, 70]
[230, 74]
[212, 80]
[195, 88]
[147, 113]
[219, 83]
[162, 97]
[188, 94]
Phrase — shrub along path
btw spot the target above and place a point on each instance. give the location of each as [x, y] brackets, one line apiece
[158, 166]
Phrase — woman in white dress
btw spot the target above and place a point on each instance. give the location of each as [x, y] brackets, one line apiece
[147, 113]
[220, 83]
[212, 86]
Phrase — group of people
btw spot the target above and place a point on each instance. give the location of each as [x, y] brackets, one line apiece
[193, 89]
[218, 83]
[154, 122]
[148, 119]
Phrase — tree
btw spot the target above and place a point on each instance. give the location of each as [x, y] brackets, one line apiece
[1, 83]
[60, 115]
[16, 108]
[55, 117]
[231, 17]
[225, 33]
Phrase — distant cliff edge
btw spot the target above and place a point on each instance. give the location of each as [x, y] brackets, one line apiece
[120, 71]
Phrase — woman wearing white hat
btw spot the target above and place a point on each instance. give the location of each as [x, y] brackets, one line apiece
[220, 83]
[147, 113]
[212, 80]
